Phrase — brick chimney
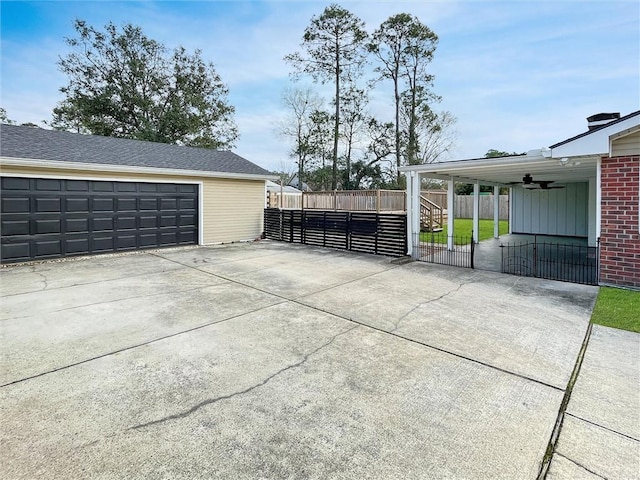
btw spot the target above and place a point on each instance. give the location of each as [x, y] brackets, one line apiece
[600, 119]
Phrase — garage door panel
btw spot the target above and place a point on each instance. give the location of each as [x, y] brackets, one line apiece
[168, 204]
[48, 185]
[47, 226]
[77, 204]
[187, 220]
[104, 243]
[168, 188]
[17, 251]
[188, 188]
[187, 238]
[103, 186]
[168, 220]
[47, 248]
[126, 223]
[148, 240]
[148, 221]
[77, 185]
[126, 204]
[149, 203]
[75, 246]
[15, 205]
[103, 224]
[48, 218]
[15, 227]
[12, 183]
[187, 204]
[48, 204]
[103, 204]
[126, 242]
[126, 187]
[77, 225]
[168, 238]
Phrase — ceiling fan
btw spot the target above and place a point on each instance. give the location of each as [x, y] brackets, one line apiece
[529, 183]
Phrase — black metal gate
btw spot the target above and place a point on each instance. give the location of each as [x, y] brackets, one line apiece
[433, 248]
[554, 261]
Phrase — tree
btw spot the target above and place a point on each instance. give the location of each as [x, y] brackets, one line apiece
[434, 134]
[123, 84]
[354, 117]
[404, 47]
[302, 105]
[493, 153]
[334, 45]
[4, 118]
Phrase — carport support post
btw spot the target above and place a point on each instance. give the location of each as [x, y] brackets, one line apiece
[476, 211]
[451, 213]
[496, 211]
[409, 205]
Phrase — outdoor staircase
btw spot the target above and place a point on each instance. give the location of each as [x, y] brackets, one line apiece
[432, 216]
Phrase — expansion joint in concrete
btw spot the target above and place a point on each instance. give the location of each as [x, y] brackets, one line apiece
[581, 466]
[555, 434]
[602, 426]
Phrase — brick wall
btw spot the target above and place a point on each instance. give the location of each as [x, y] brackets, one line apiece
[620, 237]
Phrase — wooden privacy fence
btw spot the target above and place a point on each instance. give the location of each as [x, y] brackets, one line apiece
[464, 206]
[377, 233]
[284, 200]
[356, 200]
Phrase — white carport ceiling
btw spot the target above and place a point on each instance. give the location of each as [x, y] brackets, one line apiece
[504, 170]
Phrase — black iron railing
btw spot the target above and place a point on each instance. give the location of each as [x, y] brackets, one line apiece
[434, 248]
[554, 261]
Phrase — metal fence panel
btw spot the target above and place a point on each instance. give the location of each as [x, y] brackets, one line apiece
[552, 261]
[368, 232]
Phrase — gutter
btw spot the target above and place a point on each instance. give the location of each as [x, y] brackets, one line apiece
[99, 167]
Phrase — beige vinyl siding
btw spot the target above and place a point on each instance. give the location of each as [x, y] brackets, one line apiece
[233, 210]
[626, 146]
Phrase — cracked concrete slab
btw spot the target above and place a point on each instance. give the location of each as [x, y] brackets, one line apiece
[608, 390]
[82, 295]
[242, 361]
[69, 336]
[15, 280]
[528, 326]
[562, 468]
[294, 273]
[598, 450]
[601, 427]
[286, 392]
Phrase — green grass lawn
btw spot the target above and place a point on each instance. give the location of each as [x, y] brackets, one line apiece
[463, 227]
[617, 308]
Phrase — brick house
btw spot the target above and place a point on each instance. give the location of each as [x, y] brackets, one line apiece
[585, 188]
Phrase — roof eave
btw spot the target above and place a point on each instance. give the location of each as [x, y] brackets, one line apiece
[100, 167]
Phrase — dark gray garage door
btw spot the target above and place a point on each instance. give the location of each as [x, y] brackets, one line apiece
[49, 218]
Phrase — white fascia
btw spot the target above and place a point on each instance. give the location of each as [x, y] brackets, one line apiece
[99, 167]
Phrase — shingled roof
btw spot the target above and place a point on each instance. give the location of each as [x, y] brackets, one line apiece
[29, 143]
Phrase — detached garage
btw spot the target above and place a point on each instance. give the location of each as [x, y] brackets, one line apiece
[64, 194]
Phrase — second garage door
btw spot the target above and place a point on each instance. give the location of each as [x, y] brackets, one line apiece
[49, 218]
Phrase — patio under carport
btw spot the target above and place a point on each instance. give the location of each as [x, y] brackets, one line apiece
[541, 213]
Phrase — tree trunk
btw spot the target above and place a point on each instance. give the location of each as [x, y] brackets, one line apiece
[336, 125]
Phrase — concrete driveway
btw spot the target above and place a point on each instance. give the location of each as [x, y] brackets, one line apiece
[270, 360]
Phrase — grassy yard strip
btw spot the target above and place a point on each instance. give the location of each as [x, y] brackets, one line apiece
[617, 308]
[463, 227]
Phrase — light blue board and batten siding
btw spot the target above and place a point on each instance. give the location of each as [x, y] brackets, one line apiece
[562, 212]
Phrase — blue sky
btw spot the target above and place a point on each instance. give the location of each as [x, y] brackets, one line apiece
[518, 75]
